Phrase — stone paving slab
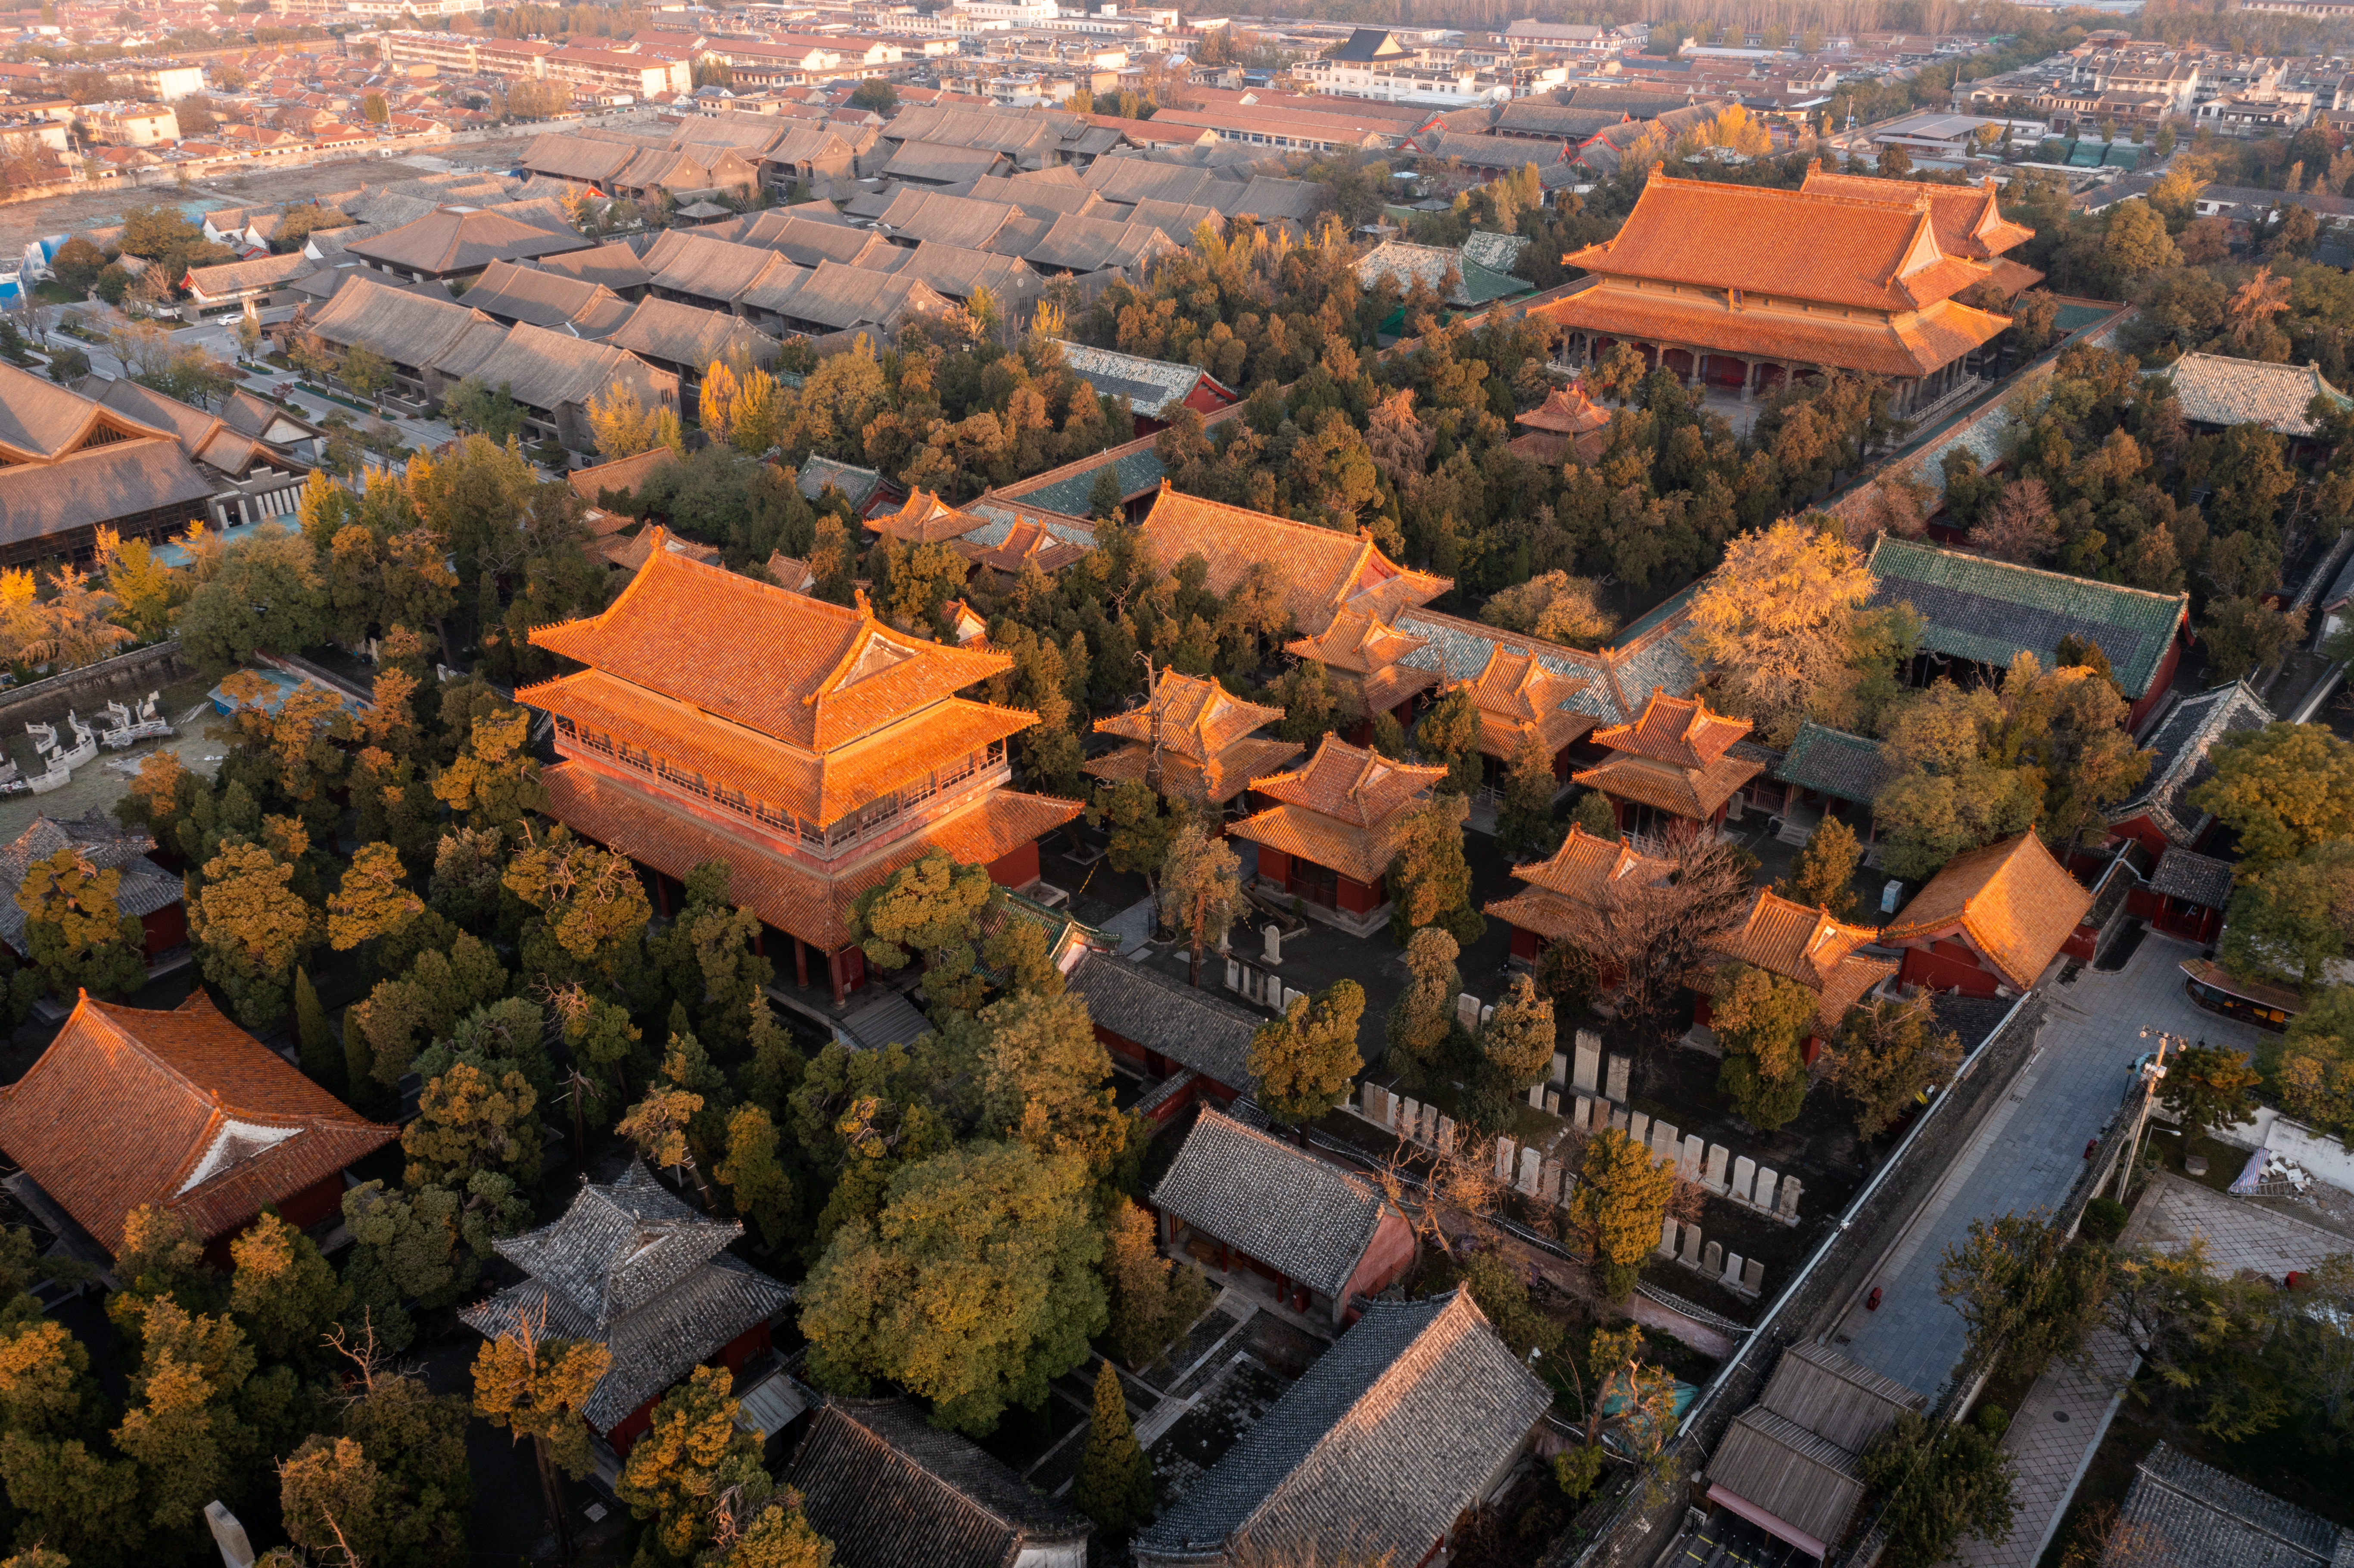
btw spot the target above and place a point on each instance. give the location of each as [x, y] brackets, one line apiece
[2032, 1149]
[2238, 1233]
[2055, 1431]
[2052, 1439]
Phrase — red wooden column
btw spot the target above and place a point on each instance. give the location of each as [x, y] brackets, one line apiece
[801, 963]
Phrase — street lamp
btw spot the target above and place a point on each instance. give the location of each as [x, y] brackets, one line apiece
[2153, 1073]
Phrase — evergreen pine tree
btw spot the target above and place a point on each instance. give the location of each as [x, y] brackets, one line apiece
[1524, 819]
[1823, 874]
[359, 1061]
[1115, 1482]
[321, 1058]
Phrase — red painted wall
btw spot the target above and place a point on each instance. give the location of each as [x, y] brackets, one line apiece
[2161, 680]
[1944, 970]
[2145, 833]
[165, 928]
[1275, 865]
[1018, 867]
[1527, 945]
[302, 1210]
[1356, 897]
[1386, 1258]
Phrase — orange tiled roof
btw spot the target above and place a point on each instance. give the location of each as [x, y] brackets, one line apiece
[1572, 885]
[1217, 781]
[1363, 854]
[630, 551]
[2013, 278]
[180, 1109]
[1968, 218]
[1807, 946]
[926, 519]
[1357, 641]
[1324, 570]
[1199, 718]
[821, 788]
[1545, 447]
[791, 573]
[1833, 250]
[1026, 540]
[1678, 730]
[1514, 693]
[2011, 901]
[1912, 344]
[1694, 792]
[809, 674]
[1567, 411]
[794, 899]
[1352, 785]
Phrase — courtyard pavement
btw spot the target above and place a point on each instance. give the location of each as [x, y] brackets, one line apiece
[2031, 1149]
[2066, 1414]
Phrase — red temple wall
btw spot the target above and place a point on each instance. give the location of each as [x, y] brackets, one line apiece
[1949, 965]
[1018, 867]
[164, 929]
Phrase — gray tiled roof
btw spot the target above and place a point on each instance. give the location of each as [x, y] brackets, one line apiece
[1381, 1445]
[2184, 1514]
[2197, 879]
[1278, 1203]
[2182, 765]
[1003, 517]
[857, 484]
[1458, 650]
[2214, 390]
[1834, 762]
[1988, 611]
[145, 887]
[1198, 1028]
[635, 1269]
[886, 1487]
[1151, 386]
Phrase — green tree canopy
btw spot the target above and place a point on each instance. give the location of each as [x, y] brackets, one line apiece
[1302, 1063]
[975, 1285]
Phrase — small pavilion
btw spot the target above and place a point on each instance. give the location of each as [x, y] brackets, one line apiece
[631, 1268]
[1671, 769]
[1365, 656]
[1207, 741]
[1572, 889]
[1334, 828]
[1992, 920]
[1517, 697]
[1787, 938]
[1568, 423]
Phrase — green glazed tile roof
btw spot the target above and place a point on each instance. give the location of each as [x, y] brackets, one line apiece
[1988, 611]
[1138, 472]
[1834, 762]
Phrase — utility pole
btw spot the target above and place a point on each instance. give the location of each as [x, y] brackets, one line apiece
[2153, 1073]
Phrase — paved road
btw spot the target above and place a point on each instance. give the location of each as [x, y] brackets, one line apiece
[2031, 1149]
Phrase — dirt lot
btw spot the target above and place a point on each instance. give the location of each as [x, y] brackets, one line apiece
[22, 221]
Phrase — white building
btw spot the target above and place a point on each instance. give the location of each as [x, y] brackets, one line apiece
[994, 16]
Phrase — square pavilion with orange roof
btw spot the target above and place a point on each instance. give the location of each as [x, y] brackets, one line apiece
[1365, 656]
[1787, 938]
[1740, 287]
[1333, 829]
[1572, 889]
[1992, 920]
[1518, 697]
[1208, 739]
[1673, 765]
[808, 746]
